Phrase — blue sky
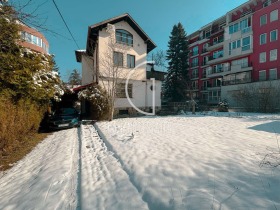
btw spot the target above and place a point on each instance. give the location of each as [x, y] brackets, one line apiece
[156, 17]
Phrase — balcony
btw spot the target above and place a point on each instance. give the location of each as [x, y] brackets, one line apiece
[204, 88]
[246, 30]
[194, 65]
[236, 81]
[215, 44]
[218, 71]
[242, 67]
[204, 50]
[204, 75]
[204, 63]
[196, 53]
[212, 59]
[214, 87]
[194, 76]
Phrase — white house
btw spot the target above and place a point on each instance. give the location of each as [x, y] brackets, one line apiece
[116, 48]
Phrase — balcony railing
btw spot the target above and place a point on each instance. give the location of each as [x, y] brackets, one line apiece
[216, 42]
[213, 58]
[236, 81]
[194, 53]
[194, 65]
[193, 76]
[220, 69]
[246, 30]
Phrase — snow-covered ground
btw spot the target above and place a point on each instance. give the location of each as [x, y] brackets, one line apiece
[157, 163]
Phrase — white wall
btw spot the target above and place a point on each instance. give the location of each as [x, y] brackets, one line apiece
[87, 70]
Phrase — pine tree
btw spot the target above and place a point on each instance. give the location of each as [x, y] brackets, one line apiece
[75, 78]
[176, 82]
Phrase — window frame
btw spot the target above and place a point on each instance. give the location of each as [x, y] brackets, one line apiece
[263, 60]
[265, 38]
[119, 64]
[120, 90]
[262, 71]
[263, 16]
[276, 17]
[123, 36]
[275, 70]
[129, 61]
[276, 36]
[276, 55]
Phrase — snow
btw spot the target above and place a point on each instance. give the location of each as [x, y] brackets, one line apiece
[204, 161]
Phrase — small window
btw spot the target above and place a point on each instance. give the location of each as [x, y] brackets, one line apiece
[130, 61]
[274, 15]
[263, 57]
[273, 35]
[263, 39]
[262, 75]
[263, 20]
[118, 59]
[124, 37]
[246, 43]
[273, 55]
[272, 74]
[120, 90]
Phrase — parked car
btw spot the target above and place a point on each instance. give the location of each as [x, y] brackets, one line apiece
[64, 118]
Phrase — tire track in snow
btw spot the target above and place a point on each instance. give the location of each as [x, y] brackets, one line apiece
[102, 176]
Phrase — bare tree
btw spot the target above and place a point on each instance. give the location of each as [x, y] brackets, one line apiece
[159, 57]
[112, 72]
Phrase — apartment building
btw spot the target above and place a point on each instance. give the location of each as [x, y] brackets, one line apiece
[33, 39]
[241, 47]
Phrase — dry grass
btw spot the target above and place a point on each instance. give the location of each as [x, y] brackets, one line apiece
[19, 125]
[7, 159]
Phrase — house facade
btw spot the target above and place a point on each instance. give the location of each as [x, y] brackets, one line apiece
[117, 49]
[240, 48]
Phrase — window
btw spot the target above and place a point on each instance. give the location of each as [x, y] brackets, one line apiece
[233, 28]
[130, 61]
[273, 35]
[195, 62]
[195, 73]
[272, 74]
[274, 15]
[195, 85]
[124, 37]
[218, 54]
[245, 25]
[262, 38]
[246, 43]
[267, 3]
[262, 75]
[118, 59]
[195, 51]
[120, 90]
[263, 20]
[273, 55]
[263, 57]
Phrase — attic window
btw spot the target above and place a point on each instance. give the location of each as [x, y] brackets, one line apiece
[124, 37]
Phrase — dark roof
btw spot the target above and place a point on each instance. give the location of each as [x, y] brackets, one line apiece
[93, 31]
[79, 54]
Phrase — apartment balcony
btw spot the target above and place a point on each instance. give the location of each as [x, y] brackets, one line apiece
[194, 76]
[246, 30]
[242, 67]
[204, 63]
[236, 81]
[215, 44]
[193, 54]
[212, 60]
[204, 51]
[219, 71]
[193, 65]
[204, 88]
[204, 76]
[214, 87]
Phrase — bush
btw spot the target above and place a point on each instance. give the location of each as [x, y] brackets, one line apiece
[17, 121]
[223, 106]
[99, 101]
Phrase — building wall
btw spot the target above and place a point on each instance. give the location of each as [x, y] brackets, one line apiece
[88, 74]
[267, 28]
[32, 46]
[139, 50]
